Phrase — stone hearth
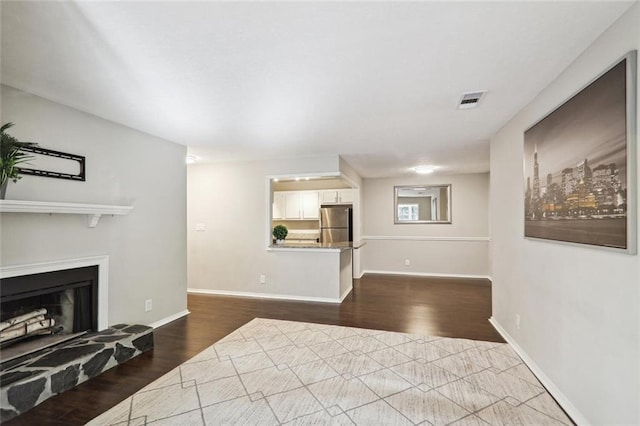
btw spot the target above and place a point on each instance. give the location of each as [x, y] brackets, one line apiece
[29, 380]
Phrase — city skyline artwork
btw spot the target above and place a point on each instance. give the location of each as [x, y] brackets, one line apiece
[576, 166]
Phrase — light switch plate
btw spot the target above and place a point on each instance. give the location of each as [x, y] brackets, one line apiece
[200, 227]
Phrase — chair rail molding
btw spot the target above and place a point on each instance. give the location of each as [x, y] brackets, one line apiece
[422, 238]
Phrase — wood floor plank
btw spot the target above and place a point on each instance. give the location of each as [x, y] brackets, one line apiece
[447, 307]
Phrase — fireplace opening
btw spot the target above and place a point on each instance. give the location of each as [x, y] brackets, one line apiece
[39, 310]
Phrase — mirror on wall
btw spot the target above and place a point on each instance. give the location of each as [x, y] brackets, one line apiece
[422, 204]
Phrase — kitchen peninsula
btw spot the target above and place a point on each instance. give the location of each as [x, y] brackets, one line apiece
[326, 269]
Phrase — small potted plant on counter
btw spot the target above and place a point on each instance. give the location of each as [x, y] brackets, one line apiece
[280, 233]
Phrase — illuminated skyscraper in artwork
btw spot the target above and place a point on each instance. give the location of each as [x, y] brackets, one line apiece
[527, 198]
[585, 174]
[568, 181]
[536, 201]
[536, 176]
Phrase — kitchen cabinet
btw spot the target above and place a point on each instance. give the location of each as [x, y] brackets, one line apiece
[346, 195]
[310, 205]
[279, 200]
[336, 196]
[327, 197]
[292, 205]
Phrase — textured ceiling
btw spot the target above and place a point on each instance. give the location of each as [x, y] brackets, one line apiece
[376, 83]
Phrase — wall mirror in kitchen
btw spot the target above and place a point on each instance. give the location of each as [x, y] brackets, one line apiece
[422, 204]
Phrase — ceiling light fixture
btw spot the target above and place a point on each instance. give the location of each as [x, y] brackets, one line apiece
[424, 170]
[191, 159]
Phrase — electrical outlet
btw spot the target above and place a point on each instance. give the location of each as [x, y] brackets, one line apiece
[518, 321]
[407, 262]
[148, 305]
[200, 227]
[263, 279]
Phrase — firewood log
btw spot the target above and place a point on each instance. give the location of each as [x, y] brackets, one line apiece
[12, 321]
[23, 323]
[27, 329]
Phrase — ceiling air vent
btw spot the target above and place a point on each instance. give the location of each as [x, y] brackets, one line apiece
[470, 99]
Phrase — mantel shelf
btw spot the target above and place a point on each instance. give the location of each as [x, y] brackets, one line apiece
[93, 211]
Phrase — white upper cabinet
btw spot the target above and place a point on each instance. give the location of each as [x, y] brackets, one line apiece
[329, 196]
[305, 205]
[310, 205]
[291, 205]
[345, 195]
[279, 201]
[336, 196]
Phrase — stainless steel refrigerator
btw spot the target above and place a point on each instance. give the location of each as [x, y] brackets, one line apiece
[336, 223]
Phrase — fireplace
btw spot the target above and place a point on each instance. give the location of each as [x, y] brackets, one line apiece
[61, 300]
[69, 298]
[75, 294]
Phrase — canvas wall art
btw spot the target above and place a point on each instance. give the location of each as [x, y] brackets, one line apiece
[579, 165]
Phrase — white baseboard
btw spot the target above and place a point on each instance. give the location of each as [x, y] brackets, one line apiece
[170, 318]
[346, 293]
[263, 295]
[427, 274]
[560, 397]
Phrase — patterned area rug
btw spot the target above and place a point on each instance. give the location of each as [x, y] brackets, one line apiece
[271, 372]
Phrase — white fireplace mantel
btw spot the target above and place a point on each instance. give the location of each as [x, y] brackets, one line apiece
[93, 211]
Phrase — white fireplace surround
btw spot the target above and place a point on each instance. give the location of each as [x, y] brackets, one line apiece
[58, 265]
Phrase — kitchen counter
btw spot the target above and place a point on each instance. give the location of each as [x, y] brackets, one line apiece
[348, 245]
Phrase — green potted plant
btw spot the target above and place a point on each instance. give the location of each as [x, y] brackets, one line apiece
[11, 155]
[280, 233]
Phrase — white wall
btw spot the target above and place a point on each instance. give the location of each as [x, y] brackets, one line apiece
[356, 181]
[457, 249]
[232, 201]
[147, 247]
[579, 306]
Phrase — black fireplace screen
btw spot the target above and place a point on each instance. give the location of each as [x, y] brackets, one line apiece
[70, 298]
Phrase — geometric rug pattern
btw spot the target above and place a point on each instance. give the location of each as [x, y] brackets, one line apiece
[273, 372]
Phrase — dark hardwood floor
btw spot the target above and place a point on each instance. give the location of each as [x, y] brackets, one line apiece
[437, 306]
